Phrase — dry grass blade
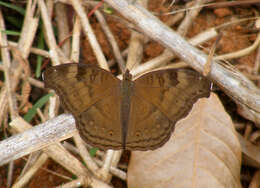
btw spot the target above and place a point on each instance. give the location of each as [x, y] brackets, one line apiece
[203, 152]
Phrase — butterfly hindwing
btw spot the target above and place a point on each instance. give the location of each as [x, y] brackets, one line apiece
[100, 125]
[168, 96]
[148, 127]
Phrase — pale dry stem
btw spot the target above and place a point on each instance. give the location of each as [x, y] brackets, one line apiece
[75, 48]
[85, 154]
[6, 57]
[88, 31]
[63, 27]
[135, 49]
[103, 172]
[25, 178]
[240, 53]
[111, 39]
[50, 38]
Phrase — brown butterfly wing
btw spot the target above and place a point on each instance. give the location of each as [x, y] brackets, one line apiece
[92, 95]
[159, 100]
[148, 127]
[100, 124]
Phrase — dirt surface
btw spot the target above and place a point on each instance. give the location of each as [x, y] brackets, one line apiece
[235, 37]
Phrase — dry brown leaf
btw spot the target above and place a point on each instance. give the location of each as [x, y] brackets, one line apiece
[203, 152]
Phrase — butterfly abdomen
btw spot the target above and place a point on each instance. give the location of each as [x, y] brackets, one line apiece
[126, 90]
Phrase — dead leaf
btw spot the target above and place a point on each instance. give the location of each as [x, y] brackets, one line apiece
[203, 152]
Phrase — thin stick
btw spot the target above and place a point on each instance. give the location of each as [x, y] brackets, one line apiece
[111, 39]
[75, 48]
[232, 3]
[81, 181]
[240, 53]
[113, 169]
[85, 154]
[29, 174]
[63, 26]
[135, 49]
[190, 16]
[257, 61]
[84, 3]
[7, 69]
[51, 41]
[37, 51]
[29, 29]
[96, 8]
[90, 34]
[103, 172]
[208, 64]
[32, 81]
[3, 106]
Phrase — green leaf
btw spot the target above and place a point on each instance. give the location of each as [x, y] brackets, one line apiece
[93, 151]
[8, 32]
[39, 58]
[32, 111]
[108, 10]
[14, 7]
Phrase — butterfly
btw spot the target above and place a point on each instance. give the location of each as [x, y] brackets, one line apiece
[131, 114]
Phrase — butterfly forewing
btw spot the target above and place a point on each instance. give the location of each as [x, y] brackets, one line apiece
[92, 95]
[169, 96]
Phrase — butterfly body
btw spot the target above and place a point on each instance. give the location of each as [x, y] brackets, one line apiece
[126, 89]
[137, 114]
